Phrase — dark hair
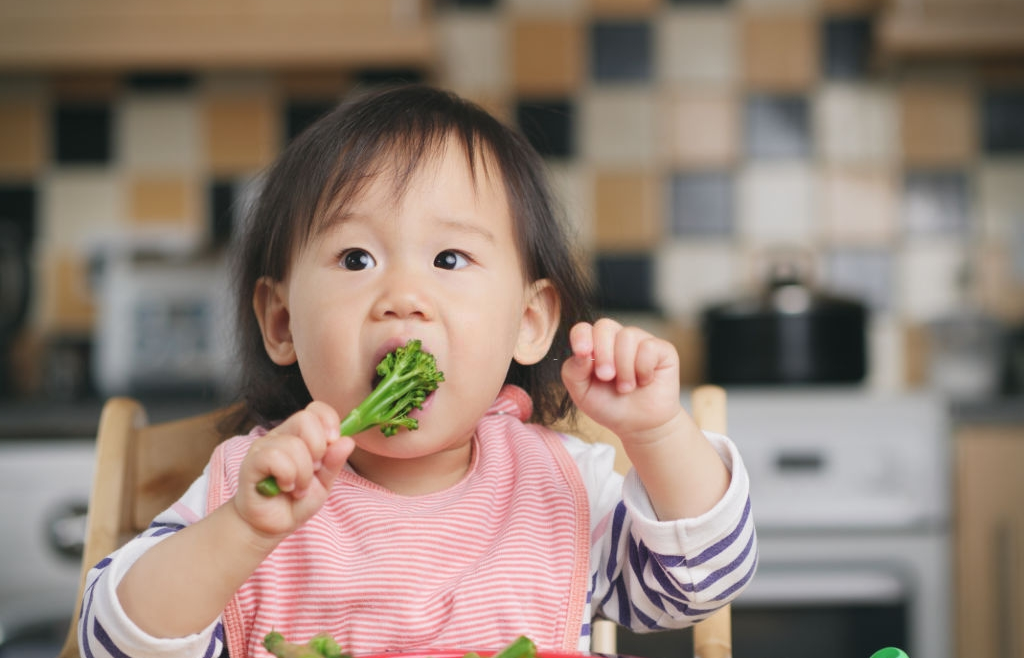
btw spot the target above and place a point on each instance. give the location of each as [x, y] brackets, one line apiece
[326, 165]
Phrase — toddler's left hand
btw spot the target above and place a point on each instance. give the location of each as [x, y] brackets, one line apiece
[624, 378]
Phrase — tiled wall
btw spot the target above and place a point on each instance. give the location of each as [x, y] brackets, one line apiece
[691, 141]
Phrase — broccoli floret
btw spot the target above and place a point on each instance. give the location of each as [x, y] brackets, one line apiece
[408, 375]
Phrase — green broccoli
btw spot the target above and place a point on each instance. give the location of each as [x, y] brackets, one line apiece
[408, 375]
[319, 646]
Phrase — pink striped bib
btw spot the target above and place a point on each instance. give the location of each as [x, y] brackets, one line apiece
[502, 553]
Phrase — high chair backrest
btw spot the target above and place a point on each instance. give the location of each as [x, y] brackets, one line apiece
[141, 469]
[712, 638]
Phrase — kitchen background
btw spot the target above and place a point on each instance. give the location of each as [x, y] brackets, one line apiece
[695, 145]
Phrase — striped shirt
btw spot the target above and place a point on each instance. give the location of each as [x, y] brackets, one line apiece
[473, 566]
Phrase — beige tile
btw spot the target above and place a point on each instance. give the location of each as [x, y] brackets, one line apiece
[619, 127]
[886, 354]
[697, 47]
[690, 275]
[860, 206]
[937, 124]
[573, 192]
[624, 7]
[778, 204]
[928, 275]
[242, 133]
[160, 133]
[547, 8]
[473, 52]
[857, 124]
[66, 303]
[82, 207]
[23, 137]
[780, 50]
[686, 337]
[701, 129]
[628, 211]
[1001, 199]
[547, 57]
[163, 200]
[999, 287]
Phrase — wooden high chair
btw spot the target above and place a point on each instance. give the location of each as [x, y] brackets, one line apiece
[141, 469]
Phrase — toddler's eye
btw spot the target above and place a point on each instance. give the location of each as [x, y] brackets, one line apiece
[450, 260]
[357, 259]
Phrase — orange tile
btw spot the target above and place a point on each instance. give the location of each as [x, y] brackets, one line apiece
[627, 211]
[161, 199]
[997, 287]
[780, 51]
[937, 124]
[22, 137]
[624, 7]
[67, 302]
[547, 57]
[702, 129]
[242, 133]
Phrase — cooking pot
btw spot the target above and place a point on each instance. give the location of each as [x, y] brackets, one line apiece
[15, 284]
[786, 334]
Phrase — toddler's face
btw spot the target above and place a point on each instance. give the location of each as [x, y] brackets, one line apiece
[439, 263]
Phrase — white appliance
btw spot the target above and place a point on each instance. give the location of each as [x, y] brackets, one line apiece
[851, 496]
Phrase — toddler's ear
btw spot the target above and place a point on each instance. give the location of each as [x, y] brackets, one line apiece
[539, 323]
[271, 307]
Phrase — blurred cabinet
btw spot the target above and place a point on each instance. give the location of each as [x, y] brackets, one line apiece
[990, 541]
[928, 29]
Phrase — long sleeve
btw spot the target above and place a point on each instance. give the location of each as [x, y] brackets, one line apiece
[649, 574]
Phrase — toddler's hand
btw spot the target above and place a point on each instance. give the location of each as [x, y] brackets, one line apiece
[304, 454]
[623, 378]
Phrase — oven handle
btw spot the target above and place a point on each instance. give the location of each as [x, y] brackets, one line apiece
[780, 587]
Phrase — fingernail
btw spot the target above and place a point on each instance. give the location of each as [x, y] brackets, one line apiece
[605, 372]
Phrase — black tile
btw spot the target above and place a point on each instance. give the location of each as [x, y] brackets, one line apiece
[161, 81]
[936, 202]
[847, 45]
[777, 126]
[18, 204]
[548, 125]
[222, 198]
[702, 203]
[1002, 121]
[386, 76]
[621, 51]
[299, 115]
[625, 282]
[82, 133]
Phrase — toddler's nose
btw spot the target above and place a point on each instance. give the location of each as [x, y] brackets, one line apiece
[404, 295]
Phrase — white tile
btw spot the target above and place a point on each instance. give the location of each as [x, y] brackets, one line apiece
[929, 273]
[619, 127]
[160, 132]
[546, 8]
[81, 208]
[777, 204]
[473, 52]
[886, 354]
[857, 124]
[696, 46]
[693, 274]
[1001, 199]
[859, 206]
[573, 191]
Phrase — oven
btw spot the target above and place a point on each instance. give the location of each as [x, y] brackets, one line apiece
[851, 495]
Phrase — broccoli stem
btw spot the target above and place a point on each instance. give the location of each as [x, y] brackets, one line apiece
[319, 646]
[521, 647]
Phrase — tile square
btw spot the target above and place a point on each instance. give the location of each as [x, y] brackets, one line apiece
[549, 125]
[621, 8]
[548, 8]
[382, 76]
[1002, 121]
[625, 282]
[999, 280]
[241, 133]
[159, 133]
[860, 206]
[83, 207]
[780, 51]
[848, 43]
[771, 6]
[470, 4]
[928, 278]
[863, 274]
[220, 202]
[547, 57]
[167, 199]
[697, 46]
[18, 204]
[573, 188]
[777, 126]
[1001, 201]
[473, 52]
[23, 136]
[692, 274]
[701, 129]
[702, 203]
[66, 303]
[936, 202]
[621, 51]
[161, 81]
[937, 124]
[82, 132]
[619, 127]
[628, 211]
[857, 124]
[778, 204]
[700, 2]
[300, 114]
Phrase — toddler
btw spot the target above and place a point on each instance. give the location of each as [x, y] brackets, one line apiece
[411, 213]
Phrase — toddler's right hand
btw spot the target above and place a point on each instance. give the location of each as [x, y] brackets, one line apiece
[304, 454]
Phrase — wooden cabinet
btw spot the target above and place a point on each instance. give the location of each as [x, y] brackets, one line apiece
[989, 547]
[928, 29]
